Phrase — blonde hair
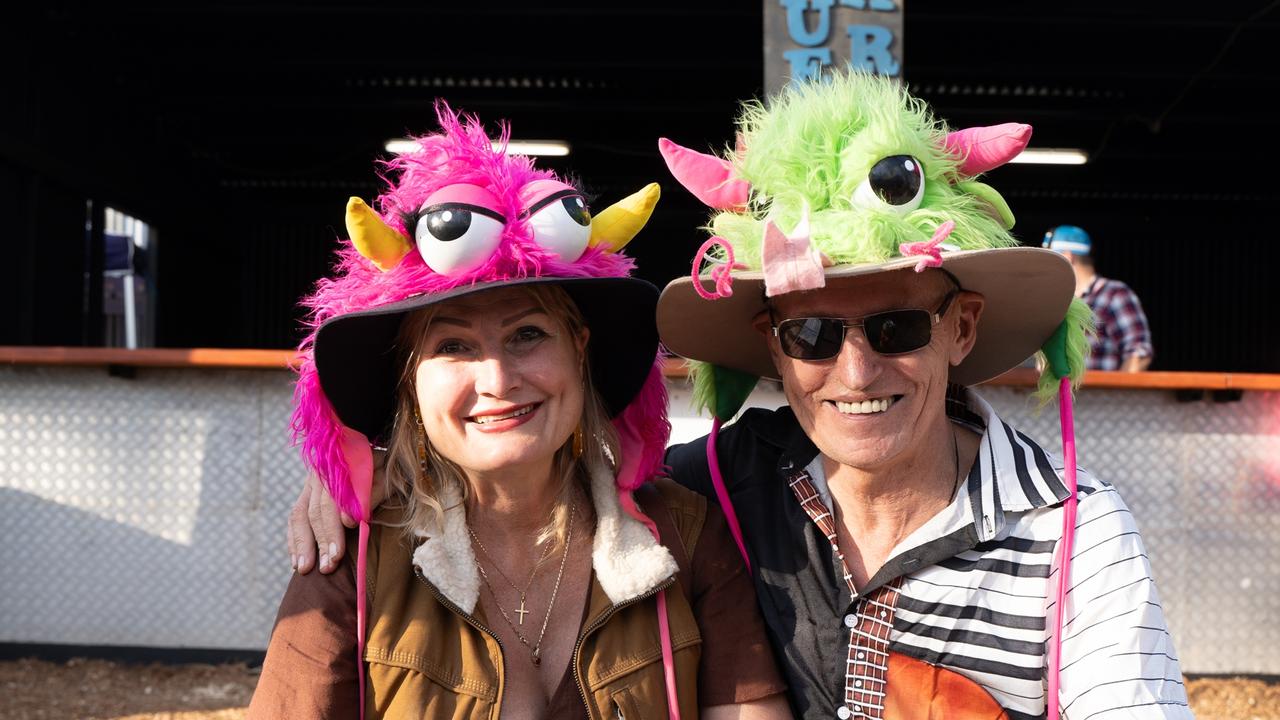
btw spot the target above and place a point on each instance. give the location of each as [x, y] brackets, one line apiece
[414, 485]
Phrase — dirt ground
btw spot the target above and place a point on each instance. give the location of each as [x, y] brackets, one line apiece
[101, 690]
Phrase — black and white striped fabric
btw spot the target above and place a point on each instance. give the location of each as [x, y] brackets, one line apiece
[981, 611]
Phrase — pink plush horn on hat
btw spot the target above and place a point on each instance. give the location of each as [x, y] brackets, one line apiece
[708, 177]
[985, 148]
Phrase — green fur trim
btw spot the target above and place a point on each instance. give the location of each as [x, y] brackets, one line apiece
[818, 142]
[990, 196]
[1065, 352]
[719, 390]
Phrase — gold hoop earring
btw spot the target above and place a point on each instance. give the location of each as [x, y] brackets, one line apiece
[577, 441]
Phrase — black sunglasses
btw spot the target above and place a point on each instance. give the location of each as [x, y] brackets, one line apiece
[893, 332]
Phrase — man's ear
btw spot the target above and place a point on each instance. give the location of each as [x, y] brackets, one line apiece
[763, 324]
[964, 324]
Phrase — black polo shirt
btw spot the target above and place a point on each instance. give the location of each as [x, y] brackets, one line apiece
[799, 581]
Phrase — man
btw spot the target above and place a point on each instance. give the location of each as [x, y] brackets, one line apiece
[1123, 341]
[901, 536]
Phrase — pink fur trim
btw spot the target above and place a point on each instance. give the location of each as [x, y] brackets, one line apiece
[317, 429]
[643, 430]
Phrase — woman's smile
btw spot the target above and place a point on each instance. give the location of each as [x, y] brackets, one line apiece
[501, 420]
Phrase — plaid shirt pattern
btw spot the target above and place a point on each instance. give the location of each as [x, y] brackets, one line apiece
[1122, 325]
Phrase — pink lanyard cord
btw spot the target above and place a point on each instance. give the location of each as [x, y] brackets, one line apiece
[1065, 547]
[362, 611]
[722, 493]
[628, 502]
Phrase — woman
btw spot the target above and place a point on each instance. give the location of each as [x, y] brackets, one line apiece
[523, 565]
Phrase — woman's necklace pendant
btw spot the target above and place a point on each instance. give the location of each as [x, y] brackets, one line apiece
[536, 656]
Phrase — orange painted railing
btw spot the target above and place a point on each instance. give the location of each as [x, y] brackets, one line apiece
[674, 367]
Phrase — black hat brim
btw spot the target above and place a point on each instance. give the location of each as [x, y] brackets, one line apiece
[357, 361]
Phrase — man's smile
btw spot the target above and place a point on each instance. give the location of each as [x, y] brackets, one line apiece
[865, 407]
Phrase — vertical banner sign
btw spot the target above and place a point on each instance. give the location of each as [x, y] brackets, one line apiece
[805, 39]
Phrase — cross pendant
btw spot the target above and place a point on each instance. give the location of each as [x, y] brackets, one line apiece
[522, 612]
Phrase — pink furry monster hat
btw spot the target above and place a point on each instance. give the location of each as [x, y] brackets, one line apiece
[514, 236]
[460, 216]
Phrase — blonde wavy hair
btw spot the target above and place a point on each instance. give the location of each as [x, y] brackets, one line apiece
[414, 485]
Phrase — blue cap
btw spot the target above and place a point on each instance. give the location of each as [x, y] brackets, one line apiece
[1067, 239]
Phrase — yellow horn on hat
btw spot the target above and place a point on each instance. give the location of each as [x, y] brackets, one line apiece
[373, 238]
[614, 227]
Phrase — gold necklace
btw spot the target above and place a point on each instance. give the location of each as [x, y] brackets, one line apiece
[538, 565]
[535, 650]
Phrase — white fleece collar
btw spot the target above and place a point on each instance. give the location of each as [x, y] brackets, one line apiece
[627, 560]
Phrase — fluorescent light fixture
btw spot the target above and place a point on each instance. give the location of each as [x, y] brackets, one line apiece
[544, 148]
[541, 148]
[401, 146]
[1052, 156]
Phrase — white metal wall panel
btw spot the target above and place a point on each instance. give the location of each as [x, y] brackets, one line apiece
[151, 511]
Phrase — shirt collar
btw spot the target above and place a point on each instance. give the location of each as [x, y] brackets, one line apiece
[1012, 473]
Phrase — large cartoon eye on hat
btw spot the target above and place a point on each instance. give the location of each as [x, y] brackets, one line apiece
[558, 218]
[459, 227]
[895, 183]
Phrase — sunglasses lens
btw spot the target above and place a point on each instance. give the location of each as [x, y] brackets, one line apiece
[898, 331]
[811, 338]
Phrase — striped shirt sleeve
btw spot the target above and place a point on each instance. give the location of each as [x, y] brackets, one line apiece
[1118, 659]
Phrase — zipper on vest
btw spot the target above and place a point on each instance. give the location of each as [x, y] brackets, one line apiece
[577, 648]
[475, 624]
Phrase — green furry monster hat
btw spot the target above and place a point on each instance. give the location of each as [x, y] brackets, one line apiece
[855, 177]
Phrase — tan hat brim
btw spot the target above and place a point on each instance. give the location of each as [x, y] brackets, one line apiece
[1027, 293]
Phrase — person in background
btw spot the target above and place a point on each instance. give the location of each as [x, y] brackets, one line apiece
[1123, 341]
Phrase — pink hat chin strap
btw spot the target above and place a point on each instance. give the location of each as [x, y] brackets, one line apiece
[664, 629]
[1065, 414]
[359, 457]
